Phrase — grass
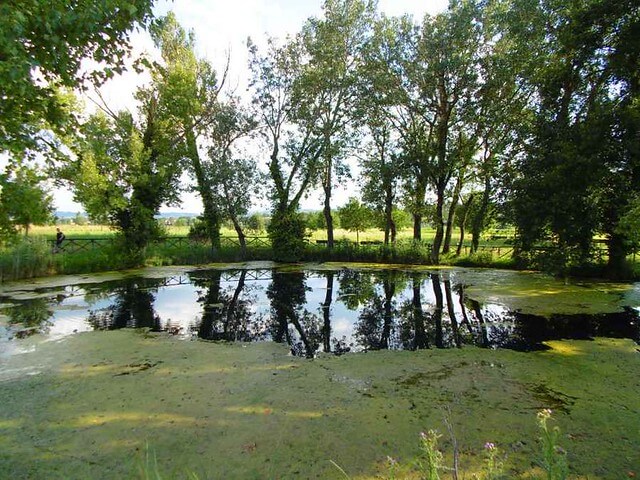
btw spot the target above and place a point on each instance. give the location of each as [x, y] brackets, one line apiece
[495, 252]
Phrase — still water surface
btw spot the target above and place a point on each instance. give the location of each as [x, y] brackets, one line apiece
[333, 311]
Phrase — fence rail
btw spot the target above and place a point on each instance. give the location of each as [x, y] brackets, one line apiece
[77, 245]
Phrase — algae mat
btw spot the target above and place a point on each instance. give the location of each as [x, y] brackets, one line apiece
[101, 404]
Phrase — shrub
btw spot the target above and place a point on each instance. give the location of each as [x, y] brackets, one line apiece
[287, 232]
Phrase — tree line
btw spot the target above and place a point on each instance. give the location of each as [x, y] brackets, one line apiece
[526, 109]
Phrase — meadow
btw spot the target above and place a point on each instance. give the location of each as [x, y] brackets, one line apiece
[89, 248]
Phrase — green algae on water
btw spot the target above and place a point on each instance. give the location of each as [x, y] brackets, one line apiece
[88, 407]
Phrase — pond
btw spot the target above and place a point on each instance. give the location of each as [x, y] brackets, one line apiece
[327, 308]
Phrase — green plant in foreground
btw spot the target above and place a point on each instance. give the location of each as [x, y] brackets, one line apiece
[493, 467]
[431, 460]
[554, 457]
[148, 468]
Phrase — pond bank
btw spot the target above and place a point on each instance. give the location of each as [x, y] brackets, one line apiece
[88, 405]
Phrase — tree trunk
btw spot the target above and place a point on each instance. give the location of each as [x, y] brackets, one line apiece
[420, 340]
[437, 240]
[210, 212]
[452, 214]
[327, 187]
[437, 313]
[241, 237]
[327, 216]
[465, 213]
[452, 314]
[394, 232]
[417, 227]
[326, 314]
[483, 326]
[419, 208]
[479, 219]
[209, 315]
[231, 308]
[388, 214]
[617, 256]
[389, 291]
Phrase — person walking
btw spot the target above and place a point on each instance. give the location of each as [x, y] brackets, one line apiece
[59, 239]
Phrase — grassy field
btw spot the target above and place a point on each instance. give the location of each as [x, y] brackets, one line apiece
[372, 234]
[33, 258]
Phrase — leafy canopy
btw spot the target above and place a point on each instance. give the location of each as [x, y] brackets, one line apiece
[43, 48]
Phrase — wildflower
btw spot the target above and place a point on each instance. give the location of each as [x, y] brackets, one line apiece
[489, 446]
[391, 460]
[545, 414]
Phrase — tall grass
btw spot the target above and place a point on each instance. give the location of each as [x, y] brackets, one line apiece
[33, 256]
[30, 257]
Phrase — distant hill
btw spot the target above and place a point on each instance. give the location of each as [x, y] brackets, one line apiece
[64, 214]
[176, 214]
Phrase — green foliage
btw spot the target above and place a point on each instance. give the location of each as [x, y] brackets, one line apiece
[125, 168]
[198, 229]
[255, 223]
[355, 217]
[431, 461]
[578, 171]
[287, 232]
[629, 224]
[24, 199]
[554, 458]
[42, 47]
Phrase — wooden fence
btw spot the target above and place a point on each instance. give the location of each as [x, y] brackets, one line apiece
[78, 245]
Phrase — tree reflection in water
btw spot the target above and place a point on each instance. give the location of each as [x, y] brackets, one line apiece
[291, 322]
[132, 306]
[31, 316]
[413, 333]
[227, 313]
[375, 324]
[329, 311]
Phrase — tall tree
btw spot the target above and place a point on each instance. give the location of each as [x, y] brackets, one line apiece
[235, 180]
[380, 167]
[578, 149]
[446, 77]
[329, 83]
[125, 168]
[427, 76]
[42, 48]
[191, 91]
[390, 97]
[289, 129]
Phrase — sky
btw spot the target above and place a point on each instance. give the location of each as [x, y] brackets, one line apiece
[222, 26]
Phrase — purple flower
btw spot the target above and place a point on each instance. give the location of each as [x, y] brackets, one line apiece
[490, 446]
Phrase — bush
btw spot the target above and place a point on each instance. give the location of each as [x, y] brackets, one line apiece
[287, 232]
